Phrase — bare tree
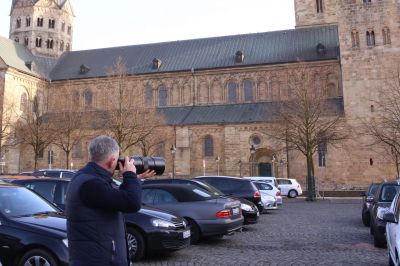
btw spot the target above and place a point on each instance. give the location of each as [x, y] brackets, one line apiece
[127, 120]
[7, 115]
[32, 128]
[384, 127]
[307, 120]
[151, 145]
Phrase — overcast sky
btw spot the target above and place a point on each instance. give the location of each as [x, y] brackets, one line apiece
[126, 22]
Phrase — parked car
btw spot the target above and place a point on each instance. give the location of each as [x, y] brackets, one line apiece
[59, 173]
[382, 200]
[289, 187]
[392, 218]
[249, 209]
[267, 179]
[368, 197]
[236, 187]
[207, 214]
[269, 202]
[269, 189]
[32, 231]
[150, 230]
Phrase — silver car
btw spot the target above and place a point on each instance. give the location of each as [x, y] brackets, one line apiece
[207, 214]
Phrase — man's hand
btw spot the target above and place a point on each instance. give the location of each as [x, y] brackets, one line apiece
[128, 166]
[147, 174]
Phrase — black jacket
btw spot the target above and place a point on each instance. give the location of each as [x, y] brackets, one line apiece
[95, 225]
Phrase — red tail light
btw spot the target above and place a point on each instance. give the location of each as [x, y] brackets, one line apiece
[278, 193]
[257, 194]
[226, 213]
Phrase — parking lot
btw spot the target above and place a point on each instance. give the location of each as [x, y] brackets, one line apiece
[326, 232]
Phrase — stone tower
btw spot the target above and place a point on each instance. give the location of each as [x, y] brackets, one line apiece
[369, 45]
[44, 26]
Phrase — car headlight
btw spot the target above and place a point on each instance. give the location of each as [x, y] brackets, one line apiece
[162, 223]
[65, 241]
[246, 207]
[381, 211]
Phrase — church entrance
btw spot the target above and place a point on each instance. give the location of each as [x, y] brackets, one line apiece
[265, 169]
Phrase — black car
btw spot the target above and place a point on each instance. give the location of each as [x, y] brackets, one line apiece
[32, 231]
[249, 209]
[59, 173]
[150, 230]
[236, 187]
[381, 201]
[366, 205]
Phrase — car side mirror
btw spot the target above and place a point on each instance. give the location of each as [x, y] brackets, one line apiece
[390, 217]
[370, 199]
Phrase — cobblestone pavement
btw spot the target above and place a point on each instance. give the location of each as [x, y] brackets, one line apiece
[326, 232]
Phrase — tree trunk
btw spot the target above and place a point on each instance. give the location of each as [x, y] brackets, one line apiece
[67, 159]
[310, 178]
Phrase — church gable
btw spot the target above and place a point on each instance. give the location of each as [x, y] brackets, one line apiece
[67, 7]
[47, 3]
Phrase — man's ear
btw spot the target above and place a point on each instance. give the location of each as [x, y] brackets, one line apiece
[110, 162]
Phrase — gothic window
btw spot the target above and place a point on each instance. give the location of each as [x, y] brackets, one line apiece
[23, 102]
[35, 105]
[370, 38]
[232, 92]
[366, 1]
[16, 39]
[148, 96]
[69, 30]
[49, 44]
[77, 150]
[322, 150]
[162, 96]
[67, 47]
[18, 23]
[355, 39]
[26, 41]
[320, 8]
[52, 23]
[248, 90]
[28, 21]
[62, 46]
[386, 35]
[88, 97]
[40, 22]
[38, 42]
[40, 153]
[208, 146]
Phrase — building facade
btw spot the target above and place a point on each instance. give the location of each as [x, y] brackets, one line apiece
[216, 93]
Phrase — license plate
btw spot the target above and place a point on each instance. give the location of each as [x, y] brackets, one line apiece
[235, 211]
[186, 234]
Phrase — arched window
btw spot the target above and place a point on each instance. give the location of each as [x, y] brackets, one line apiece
[370, 38]
[322, 151]
[16, 39]
[28, 21]
[77, 150]
[38, 42]
[88, 97]
[320, 8]
[63, 26]
[162, 96]
[23, 102]
[62, 46]
[248, 90]
[18, 23]
[52, 23]
[232, 92]
[386, 35]
[148, 96]
[355, 39]
[40, 22]
[68, 47]
[26, 41]
[69, 30]
[49, 44]
[208, 146]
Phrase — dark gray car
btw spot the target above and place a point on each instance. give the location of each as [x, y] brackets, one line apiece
[207, 214]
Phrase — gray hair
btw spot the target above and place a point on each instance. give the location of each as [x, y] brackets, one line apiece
[102, 148]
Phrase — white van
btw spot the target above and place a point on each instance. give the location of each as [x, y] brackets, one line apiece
[266, 179]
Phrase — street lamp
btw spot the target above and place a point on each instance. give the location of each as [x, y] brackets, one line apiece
[217, 159]
[252, 152]
[173, 151]
[273, 163]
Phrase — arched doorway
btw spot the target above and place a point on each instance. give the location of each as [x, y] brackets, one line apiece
[261, 164]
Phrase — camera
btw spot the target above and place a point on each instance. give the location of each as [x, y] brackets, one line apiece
[142, 164]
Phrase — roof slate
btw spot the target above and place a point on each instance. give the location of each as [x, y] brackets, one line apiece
[208, 53]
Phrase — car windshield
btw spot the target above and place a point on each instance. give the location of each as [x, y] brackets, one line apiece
[373, 189]
[389, 192]
[20, 201]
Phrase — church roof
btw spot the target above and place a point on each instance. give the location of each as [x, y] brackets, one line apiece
[17, 56]
[304, 44]
[60, 3]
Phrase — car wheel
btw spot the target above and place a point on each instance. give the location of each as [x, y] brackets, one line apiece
[379, 240]
[38, 257]
[292, 193]
[195, 232]
[365, 218]
[136, 244]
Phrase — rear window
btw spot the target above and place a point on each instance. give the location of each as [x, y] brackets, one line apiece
[388, 192]
[227, 185]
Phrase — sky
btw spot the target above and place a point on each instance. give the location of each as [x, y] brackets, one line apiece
[103, 23]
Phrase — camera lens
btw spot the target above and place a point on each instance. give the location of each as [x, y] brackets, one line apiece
[142, 164]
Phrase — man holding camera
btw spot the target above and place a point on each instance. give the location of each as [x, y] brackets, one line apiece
[95, 224]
